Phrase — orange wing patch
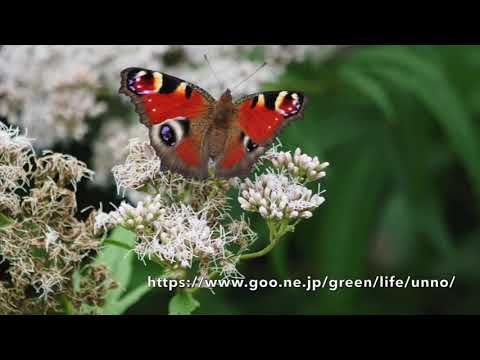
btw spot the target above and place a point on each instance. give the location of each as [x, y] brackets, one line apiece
[188, 151]
[259, 122]
[262, 115]
[159, 97]
[160, 107]
[234, 154]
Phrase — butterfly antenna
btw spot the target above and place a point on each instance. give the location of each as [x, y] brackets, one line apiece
[250, 76]
[211, 68]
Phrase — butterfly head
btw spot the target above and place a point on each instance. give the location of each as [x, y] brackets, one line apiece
[224, 108]
[226, 96]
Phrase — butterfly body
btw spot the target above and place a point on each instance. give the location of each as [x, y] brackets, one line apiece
[222, 118]
[188, 127]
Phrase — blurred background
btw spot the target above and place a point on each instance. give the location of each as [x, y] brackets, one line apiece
[400, 126]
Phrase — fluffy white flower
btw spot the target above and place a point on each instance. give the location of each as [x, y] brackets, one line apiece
[298, 165]
[15, 154]
[51, 237]
[142, 165]
[174, 234]
[9, 203]
[131, 217]
[276, 196]
[53, 88]
[178, 235]
[12, 142]
[49, 282]
[66, 169]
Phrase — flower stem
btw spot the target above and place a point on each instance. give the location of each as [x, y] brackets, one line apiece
[260, 253]
[67, 306]
[274, 235]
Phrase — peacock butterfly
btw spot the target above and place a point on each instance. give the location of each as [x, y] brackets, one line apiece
[187, 126]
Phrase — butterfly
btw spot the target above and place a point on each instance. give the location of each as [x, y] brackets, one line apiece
[188, 127]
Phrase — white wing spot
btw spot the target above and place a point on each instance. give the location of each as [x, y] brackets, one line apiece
[279, 99]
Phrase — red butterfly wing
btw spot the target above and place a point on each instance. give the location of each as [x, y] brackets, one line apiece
[176, 112]
[258, 119]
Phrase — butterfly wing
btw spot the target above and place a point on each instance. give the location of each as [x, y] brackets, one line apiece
[177, 115]
[258, 119]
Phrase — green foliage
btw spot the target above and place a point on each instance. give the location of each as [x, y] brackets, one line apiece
[120, 264]
[5, 220]
[183, 303]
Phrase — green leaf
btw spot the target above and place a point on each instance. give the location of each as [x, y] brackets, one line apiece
[369, 87]
[5, 220]
[119, 261]
[182, 303]
[400, 56]
[431, 222]
[345, 222]
[397, 228]
[427, 81]
[121, 305]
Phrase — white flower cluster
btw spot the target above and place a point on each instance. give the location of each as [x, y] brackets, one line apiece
[42, 242]
[64, 168]
[51, 88]
[131, 217]
[180, 235]
[276, 196]
[15, 154]
[298, 165]
[176, 234]
[47, 283]
[9, 203]
[141, 166]
[281, 192]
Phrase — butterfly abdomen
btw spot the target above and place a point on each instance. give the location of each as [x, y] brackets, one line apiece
[216, 141]
[222, 118]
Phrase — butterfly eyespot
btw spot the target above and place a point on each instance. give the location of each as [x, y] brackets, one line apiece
[248, 143]
[145, 82]
[171, 132]
[167, 134]
[251, 145]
